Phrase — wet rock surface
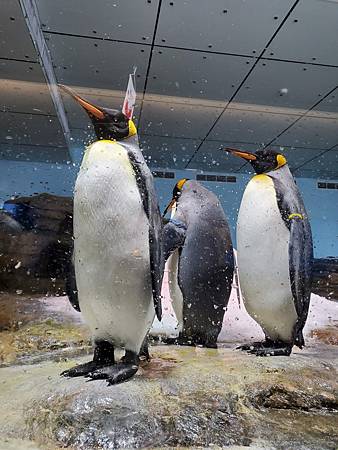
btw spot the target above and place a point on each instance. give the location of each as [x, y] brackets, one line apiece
[184, 397]
[34, 329]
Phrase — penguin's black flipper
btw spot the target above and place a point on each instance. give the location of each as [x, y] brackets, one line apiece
[146, 188]
[294, 215]
[70, 285]
[300, 263]
[173, 237]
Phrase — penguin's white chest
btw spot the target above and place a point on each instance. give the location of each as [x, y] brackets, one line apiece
[263, 260]
[111, 247]
[174, 289]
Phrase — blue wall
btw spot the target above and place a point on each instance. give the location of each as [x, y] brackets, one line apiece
[28, 178]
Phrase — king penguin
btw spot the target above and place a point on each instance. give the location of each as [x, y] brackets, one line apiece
[275, 253]
[117, 245]
[198, 243]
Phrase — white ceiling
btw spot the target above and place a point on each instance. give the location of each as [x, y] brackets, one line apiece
[209, 74]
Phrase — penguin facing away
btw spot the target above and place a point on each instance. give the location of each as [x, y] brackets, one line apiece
[275, 253]
[197, 244]
[117, 251]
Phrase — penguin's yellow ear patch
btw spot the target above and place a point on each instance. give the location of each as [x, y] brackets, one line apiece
[281, 161]
[132, 129]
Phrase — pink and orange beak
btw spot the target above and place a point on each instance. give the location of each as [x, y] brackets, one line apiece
[89, 107]
[245, 155]
[169, 206]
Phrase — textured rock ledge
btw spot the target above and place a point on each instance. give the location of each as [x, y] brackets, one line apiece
[185, 397]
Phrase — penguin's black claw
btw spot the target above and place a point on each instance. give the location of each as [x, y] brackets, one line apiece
[114, 374]
[80, 370]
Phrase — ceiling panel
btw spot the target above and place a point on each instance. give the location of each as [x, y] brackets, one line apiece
[296, 156]
[211, 157]
[311, 132]
[33, 153]
[196, 74]
[23, 88]
[30, 129]
[329, 104]
[309, 34]
[24, 96]
[97, 64]
[177, 120]
[15, 41]
[230, 26]
[250, 126]
[167, 152]
[129, 20]
[305, 84]
[21, 70]
[323, 165]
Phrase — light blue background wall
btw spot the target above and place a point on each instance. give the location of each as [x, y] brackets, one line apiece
[27, 178]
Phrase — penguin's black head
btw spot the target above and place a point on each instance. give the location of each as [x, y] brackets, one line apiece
[177, 191]
[108, 123]
[263, 160]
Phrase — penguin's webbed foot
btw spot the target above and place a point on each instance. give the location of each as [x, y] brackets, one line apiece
[267, 348]
[191, 341]
[114, 374]
[119, 372]
[170, 340]
[81, 369]
[252, 346]
[103, 356]
[272, 351]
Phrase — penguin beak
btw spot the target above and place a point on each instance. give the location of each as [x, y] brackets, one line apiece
[170, 205]
[89, 107]
[246, 155]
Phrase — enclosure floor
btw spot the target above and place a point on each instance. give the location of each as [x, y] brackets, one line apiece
[183, 397]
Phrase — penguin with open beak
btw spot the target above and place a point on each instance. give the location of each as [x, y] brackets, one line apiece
[275, 253]
[117, 245]
[198, 246]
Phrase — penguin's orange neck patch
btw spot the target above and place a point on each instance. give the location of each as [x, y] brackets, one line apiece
[262, 178]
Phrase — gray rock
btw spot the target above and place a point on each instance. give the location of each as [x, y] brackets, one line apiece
[185, 397]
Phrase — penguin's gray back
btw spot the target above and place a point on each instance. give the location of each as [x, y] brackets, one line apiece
[208, 234]
[111, 247]
[205, 267]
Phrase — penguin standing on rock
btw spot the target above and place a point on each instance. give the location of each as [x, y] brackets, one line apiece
[275, 253]
[117, 245]
[198, 244]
